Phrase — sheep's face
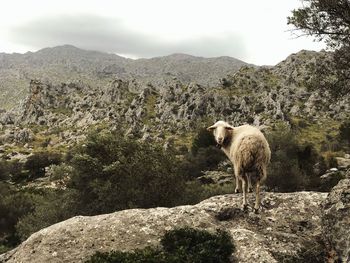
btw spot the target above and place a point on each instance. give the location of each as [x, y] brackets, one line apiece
[222, 132]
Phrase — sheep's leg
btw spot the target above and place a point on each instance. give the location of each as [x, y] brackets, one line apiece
[244, 188]
[237, 184]
[257, 197]
[237, 178]
[250, 188]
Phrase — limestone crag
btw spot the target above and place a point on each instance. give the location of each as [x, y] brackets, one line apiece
[336, 219]
[288, 227]
[257, 95]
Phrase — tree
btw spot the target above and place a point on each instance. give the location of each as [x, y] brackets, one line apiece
[328, 20]
[113, 173]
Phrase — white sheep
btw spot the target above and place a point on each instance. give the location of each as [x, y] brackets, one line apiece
[249, 153]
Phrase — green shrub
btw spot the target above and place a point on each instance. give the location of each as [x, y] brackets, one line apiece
[195, 192]
[344, 132]
[12, 170]
[178, 246]
[50, 207]
[13, 205]
[292, 164]
[113, 173]
[193, 245]
[203, 139]
[61, 171]
[35, 165]
[205, 159]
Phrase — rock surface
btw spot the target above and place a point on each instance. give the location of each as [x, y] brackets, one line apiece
[336, 219]
[287, 225]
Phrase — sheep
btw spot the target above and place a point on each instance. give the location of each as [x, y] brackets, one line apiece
[249, 152]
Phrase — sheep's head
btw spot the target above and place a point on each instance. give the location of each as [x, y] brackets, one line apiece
[222, 132]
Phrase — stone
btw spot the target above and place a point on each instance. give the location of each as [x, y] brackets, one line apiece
[336, 220]
[287, 226]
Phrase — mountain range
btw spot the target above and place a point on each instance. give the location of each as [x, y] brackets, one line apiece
[65, 64]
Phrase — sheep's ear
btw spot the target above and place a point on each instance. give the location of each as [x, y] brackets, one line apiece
[211, 128]
[229, 127]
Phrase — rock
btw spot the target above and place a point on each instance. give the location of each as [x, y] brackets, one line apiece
[343, 162]
[336, 220]
[289, 225]
[216, 177]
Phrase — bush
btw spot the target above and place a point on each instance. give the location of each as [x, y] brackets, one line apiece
[13, 205]
[50, 207]
[12, 170]
[113, 173]
[179, 245]
[203, 139]
[344, 132]
[205, 159]
[204, 155]
[292, 165]
[192, 245]
[35, 165]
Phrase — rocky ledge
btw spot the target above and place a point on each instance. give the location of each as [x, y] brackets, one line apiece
[288, 225]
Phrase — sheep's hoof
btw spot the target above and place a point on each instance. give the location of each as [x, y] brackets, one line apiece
[245, 207]
[236, 191]
[256, 210]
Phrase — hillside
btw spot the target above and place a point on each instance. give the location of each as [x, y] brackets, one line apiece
[65, 64]
[264, 96]
[74, 147]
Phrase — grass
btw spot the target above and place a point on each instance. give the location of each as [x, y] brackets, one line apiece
[150, 104]
[62, 110]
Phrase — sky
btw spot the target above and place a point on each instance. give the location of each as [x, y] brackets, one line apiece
[254, 31]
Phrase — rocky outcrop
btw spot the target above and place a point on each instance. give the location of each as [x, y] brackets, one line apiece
[258, 95]
[336, 219]
[288, 229]
[64, 64]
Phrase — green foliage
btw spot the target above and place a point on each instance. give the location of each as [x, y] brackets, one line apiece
[203, 139]
[147, 254]
[344, 132]
[195, 192]
[13, 205]
[205, 159]
[328, 20]
[50, 207]
[10, 170]
[192, 245]
[324, 19]
[179, 245]
[292, 164]
[35, 165]
[114, 173]
[204, 155]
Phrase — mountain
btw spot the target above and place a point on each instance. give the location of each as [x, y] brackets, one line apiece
[65, 64]
[263, 96]
[303, 117]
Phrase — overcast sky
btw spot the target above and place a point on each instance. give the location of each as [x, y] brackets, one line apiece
[251, 30]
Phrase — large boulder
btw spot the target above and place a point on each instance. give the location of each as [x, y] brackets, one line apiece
[288, 229]
[336, 219]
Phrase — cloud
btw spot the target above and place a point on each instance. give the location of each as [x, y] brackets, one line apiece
[112, 35]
